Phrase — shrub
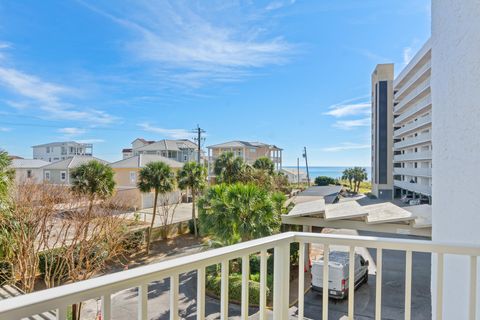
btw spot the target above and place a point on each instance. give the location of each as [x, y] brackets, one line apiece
[134, 240]
[191, 227]
[213, 285]
[53, 265]
[324, 181]
[6, 272]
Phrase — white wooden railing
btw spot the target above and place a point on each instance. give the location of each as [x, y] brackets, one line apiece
[61, 297]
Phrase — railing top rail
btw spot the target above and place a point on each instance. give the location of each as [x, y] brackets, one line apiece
[41, 301]
[45, 300]
[389, 243]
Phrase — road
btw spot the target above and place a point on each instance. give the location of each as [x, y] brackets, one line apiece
[393, 288]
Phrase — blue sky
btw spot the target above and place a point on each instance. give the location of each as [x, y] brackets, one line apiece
[286, 72]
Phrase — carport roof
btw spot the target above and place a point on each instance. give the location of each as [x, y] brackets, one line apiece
[361, 214]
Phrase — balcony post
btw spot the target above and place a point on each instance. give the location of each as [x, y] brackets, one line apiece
[281, 280]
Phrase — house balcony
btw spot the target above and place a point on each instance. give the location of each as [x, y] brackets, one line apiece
[414, 172]
[414, 187]
[413, 156]
[420, 139]
[409, 128]
[57, 300]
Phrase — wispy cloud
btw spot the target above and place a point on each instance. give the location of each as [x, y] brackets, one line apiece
[3, 129]
[169, 133]
[346, 146]
[90, 141]
[194, 44]
[352, 124]
[72, 131]
[275, 5]
[35, 92]
[354, 109]
[407, 55]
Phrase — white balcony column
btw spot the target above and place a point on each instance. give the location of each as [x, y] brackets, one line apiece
[281, 278]
[456, 154]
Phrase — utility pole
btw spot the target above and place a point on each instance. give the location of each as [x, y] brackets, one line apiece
[199, 141]
[298, 172]
[306, 164]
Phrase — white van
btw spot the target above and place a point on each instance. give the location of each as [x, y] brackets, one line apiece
[338, 273]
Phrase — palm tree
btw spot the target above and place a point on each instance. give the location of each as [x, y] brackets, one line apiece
[348, 175]
[265, 164]
[159, 177]
[193, 176]
[228, 168]
[359, 175]
[238, 212]
[93, 180]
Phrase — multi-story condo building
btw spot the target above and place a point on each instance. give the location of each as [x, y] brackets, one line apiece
[249, 151]
[402, 129]
[56, 151]
[181, 150]
[412, 135]
[382, 128]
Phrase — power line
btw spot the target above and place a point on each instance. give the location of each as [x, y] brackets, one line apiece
[199, 139]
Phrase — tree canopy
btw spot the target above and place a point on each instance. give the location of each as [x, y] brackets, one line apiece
[93, 179]
[238, 212]
[264, 163]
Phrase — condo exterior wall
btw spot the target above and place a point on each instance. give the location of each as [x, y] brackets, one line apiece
[456, 154]
[413, 126]
[382, 130]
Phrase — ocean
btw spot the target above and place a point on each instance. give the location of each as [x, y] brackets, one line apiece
[333, 172]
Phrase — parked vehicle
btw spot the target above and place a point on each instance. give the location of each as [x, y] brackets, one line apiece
[338, 266]
[414, 202]
[406, 199]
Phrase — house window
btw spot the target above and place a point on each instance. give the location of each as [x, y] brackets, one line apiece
[253, 150]
[29, 173]
[48, 149]
[47, 175]
[185, 158]
[63, 175]
[133, 176]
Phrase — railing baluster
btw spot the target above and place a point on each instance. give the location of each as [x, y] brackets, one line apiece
[351, 282]
[263, 285]
[378, 286]
[408, 285]
[174, 297]
[301, 279]
[201, 293]
[62, 313]
[224, 291]
[142, 301]
[106, 307]
[439, 305]
[472, 310]
[281, 281]
[245, 278]
[326, 259]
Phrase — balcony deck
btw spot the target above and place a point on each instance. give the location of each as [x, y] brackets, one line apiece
[61, 297]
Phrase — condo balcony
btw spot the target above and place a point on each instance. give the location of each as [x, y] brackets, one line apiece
[414, 110]
[420, 75]
[413, 156]
[420, 139]
[57, 300]
[413, 96]
[415, 125]
[414, 172]
[414, 187]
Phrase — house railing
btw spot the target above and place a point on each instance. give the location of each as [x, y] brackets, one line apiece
[61, 297]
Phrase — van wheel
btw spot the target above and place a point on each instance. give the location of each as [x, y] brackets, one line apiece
[365, 278]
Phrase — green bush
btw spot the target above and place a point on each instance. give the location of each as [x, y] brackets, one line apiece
[134, 240]
[324, 181]
[6, 272]
[213, 285]
[53, 262]
[191, 227]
